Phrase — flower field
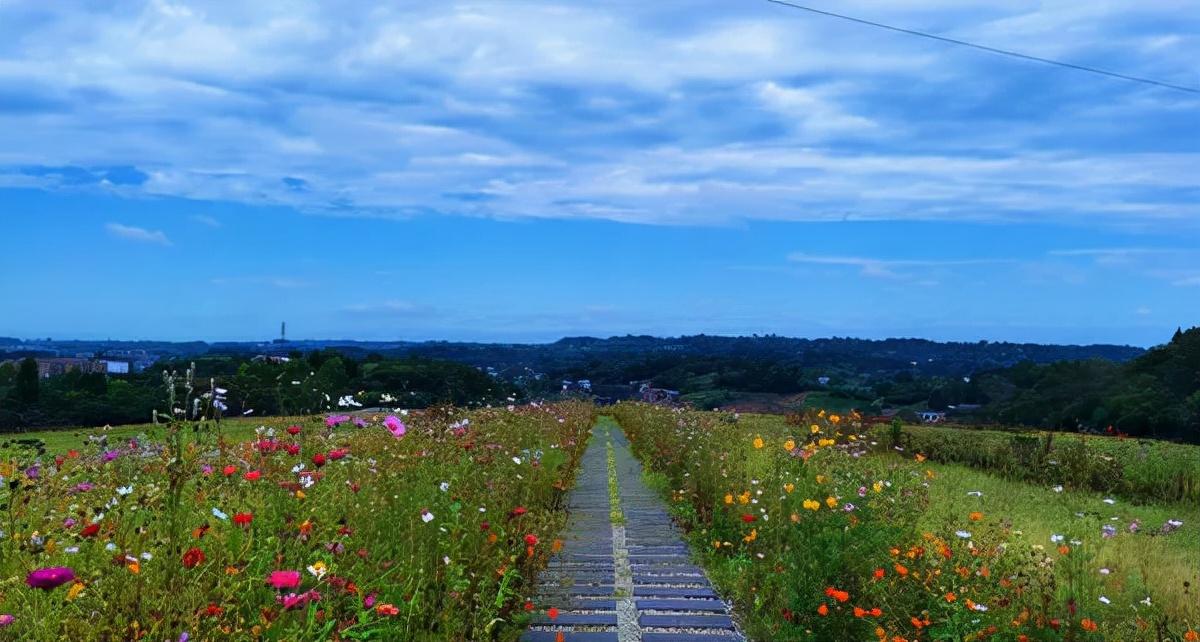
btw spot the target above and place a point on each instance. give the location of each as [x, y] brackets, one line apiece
[817, 529]
[426, 526]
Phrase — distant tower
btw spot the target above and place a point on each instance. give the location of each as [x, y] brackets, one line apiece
[282, 331]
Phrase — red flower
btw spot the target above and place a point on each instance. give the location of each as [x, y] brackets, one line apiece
[528, 606]
[90, 530]
[318, 460]
[293, 430]
[552, 613]
[212, 610]
[338, 453]
[252, 475]
[229, 470]
[243, 519]
[193, 557]
[822, 610]
[517, 512]
[748, 518]
[531, 540]
[293, 449]
[484, 526]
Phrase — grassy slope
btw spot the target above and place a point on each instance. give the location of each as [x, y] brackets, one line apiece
[1039, 512]
[60, 440]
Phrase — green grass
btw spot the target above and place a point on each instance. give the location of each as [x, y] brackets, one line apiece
[831, 402]
[58, 441]
[1038, 512]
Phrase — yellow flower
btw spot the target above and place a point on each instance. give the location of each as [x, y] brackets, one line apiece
[820, 479]
[728, 498]
[758, 442]
[929, 474]
[752, 536]
[878, 487]
[826, 442]
[744, 498]
[814, 429]
[835, 419]
[74, 591]
[812, 504]
[789, 445]
[299, 494]
[716, 543]
[831, 501]
[920, 458]
[789, 487]
[231, 570]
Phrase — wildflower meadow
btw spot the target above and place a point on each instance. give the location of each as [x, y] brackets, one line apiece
[427, 525]
[818, 529]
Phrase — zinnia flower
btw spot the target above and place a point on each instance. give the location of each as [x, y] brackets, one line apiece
[193, 557]
[51, 577]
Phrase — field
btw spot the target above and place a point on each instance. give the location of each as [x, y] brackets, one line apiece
[818, 530]
[429, 526]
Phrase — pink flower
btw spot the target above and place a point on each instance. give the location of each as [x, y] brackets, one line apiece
[48, 578]
[395, 426]
[284, 579]
[6, 619]
[294, 601]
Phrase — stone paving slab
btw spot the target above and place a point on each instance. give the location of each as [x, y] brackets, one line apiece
[630, 582]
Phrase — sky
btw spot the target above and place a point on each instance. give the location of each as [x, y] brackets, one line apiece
[522, 171]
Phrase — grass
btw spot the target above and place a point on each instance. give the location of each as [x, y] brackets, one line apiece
[816, 533]
[60, 440]
[327, 531]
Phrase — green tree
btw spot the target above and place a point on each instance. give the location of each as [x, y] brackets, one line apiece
[27, 382]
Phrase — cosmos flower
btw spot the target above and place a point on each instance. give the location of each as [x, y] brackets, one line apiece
[395, 426]
[51, 577]
[284, 579]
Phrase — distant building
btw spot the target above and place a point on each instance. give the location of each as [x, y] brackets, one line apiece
[57, 366]
[650, 394]
[824, 381]
[931, 416]
[584, 385]
[115, 367]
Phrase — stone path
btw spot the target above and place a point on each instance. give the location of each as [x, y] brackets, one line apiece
[625, 583]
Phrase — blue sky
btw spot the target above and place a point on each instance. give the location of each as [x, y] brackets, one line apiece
[527, 170]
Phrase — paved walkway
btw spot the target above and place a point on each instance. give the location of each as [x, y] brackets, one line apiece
[624, 583]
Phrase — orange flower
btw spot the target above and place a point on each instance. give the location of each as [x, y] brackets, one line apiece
[1191, 636]
[822, 610]
[879, 572]
[975, 516]
[1088, 624]
[839, 595]
[1064, 549]
[902, 570]
[950, 597]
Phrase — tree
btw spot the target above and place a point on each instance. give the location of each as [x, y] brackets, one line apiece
[27, 382]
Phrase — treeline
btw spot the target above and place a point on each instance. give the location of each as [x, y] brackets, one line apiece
[304, 383]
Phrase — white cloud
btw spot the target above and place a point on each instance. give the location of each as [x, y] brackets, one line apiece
[888, 268]
[204, 219]
[669, 113]
[139, 234]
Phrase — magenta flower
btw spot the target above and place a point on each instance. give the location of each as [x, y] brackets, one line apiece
[284, 579]
[6, 619]
[395, 426]
[294, 601]
[110, 455]
[334, 420]
[48, 578]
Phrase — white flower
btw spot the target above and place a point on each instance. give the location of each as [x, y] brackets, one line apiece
[445, 486]
[147, 556]
[71, 549]
[124, 490]
[1058, 489]
[1105, 571]
[1175, 522]
[1146, 601]
[979, 607]
[963, 534]
[1110, 501]
[218, 514]
[976, 493]
[426, 516]
[446, 560]
[1105, 600]
[517, 460]
[317, 571]
[1056, 538]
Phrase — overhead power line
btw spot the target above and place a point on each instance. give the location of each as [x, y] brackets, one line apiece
[994, 50]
